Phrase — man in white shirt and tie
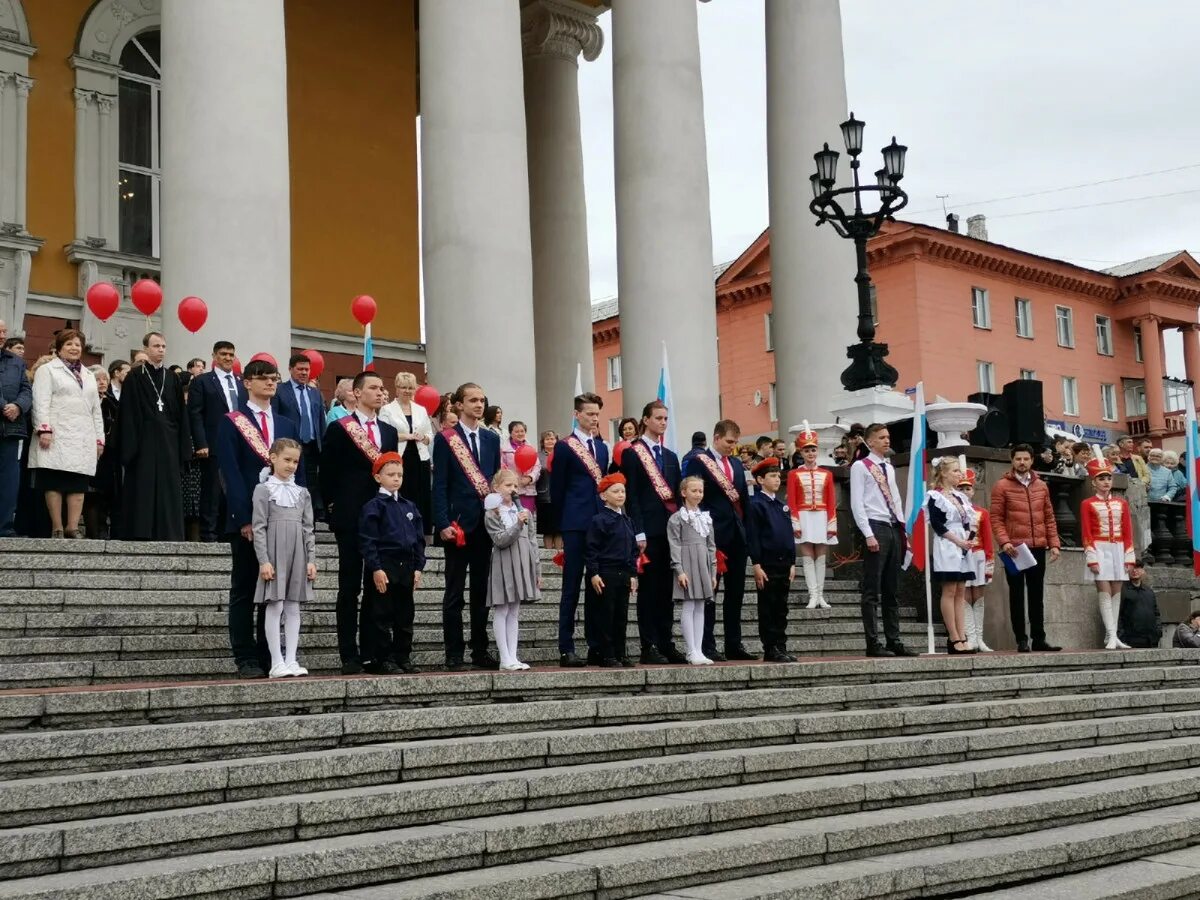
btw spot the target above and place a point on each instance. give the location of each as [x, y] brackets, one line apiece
[879, 514]
[211, 396]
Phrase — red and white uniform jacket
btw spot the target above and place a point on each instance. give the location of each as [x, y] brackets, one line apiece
[811, 490]
[983, 542]
[1106, 521]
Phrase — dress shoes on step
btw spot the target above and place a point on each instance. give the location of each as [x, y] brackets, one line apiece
[778, 656]
[485, 661]
[652, 657]
[408, 666]
[456, 665]
[571, 661]
[1043, 647]
[715, 655]
[740, 653]
[352, 667]
[610, 663]
[250, 670]
[879, 651]
[674, 656]
[899, 649]
[385, 667]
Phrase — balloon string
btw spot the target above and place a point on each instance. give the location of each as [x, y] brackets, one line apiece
[839, 561]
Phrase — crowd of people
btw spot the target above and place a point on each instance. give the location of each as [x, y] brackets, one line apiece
[147, 451]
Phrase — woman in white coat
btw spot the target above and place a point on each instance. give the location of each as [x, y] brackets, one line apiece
[416, 442]
[70, 432]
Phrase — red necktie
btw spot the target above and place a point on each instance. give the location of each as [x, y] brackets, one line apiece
[262, 424]
[371, 432]
[728, 469]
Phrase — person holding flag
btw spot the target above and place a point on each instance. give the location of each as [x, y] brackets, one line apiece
[876, 505]
[952, 517]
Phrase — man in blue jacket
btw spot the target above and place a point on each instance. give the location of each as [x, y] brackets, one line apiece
[16, 397]
[580, 461]
[301, 404]
[211, 395]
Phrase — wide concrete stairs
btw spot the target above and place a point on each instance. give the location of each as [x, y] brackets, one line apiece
[80, 612]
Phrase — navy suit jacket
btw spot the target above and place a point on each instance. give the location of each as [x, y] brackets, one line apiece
[573, 489]
[645, 509]
[346, 479]
[728, 527]
[207, 406]
[284, 404]
[454, 497]
[241, 466]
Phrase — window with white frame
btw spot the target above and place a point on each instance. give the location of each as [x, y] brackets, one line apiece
[981, 313]
[1064, 321]
[1028, 375]
[613, 366]
[768, 326]
[614, 433]
[1137, 343]
[774, 417]
[1024, 318]
[1104, 341]
[1135, 398]
[986, 372]
[1070, 392]
[139, 172]
[1108, 402]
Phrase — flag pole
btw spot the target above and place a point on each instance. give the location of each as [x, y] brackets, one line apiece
[928, 589]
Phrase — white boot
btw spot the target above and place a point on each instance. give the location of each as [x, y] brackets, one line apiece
[819, 563]
[975, 614]
[1116, 614]
[969, 631]
[1104, 601]
[810, 581]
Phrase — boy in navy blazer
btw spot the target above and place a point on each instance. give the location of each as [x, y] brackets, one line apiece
[772, 546]
[574, 475]
[464, 460]
[211, 395]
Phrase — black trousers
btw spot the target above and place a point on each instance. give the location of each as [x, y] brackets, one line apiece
[247, 640]
[350, 585]
[1031, 580]
[608, 610]
[655, 606]
[574, 543]
[733, 591]
[476, 556]
[881, 574]
[212, 499]
[387, 618]
[773, 608]
[310, 459]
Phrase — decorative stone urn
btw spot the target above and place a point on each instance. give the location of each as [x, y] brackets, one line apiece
[952, 420]
[828, 437]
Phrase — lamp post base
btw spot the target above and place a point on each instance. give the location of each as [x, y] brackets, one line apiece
[868, 368]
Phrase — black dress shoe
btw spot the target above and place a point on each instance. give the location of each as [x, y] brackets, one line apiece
[715, 655]
[740, 653]
[386, 667]
[485, 661]
[674, 656]
[571, 661]
[610, 663]
[594, 658]
[876, 650]
[456, 665]
[651, 656]
[250, 670]
[352, 667]
[778, 656]
[1022, 646]
[899, 649]
[408, 666]
[626, 662]
[1043, 647]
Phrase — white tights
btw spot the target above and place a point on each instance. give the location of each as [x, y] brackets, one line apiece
[289, 611]
[691, 623]
[504, 626]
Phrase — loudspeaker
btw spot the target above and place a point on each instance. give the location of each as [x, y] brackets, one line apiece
[993, 428]
[1026, 413]
[901, 433]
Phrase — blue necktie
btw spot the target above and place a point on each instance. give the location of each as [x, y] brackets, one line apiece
[474, 447]
[305, 421]
[232, 389]
[658, 456]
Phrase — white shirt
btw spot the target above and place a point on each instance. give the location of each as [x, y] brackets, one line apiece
[363, 419]
[1024, 479]
[269, 437]
[389, 494]
[585, 438]
[866, 499]
[227, 382]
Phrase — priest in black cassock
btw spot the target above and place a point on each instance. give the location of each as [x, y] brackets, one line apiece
[155, 444]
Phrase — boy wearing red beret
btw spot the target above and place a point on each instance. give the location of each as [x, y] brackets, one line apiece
[610, 562]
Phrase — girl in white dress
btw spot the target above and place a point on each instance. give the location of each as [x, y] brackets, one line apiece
[952, 518]
[1107, 529]
[810, 497]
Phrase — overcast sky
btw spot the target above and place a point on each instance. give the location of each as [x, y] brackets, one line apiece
[993, 99]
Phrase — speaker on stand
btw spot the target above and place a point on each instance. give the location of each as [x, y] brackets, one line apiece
[993, 427]
[1026, 412]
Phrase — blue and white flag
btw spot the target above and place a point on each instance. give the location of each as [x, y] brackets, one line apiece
[368, 350]
[664, 394]
[914, 522]
[1193, 459]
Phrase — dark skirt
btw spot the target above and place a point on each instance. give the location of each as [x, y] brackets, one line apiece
[59, 481]
[417, 485]
[937, 577]
[547, 519]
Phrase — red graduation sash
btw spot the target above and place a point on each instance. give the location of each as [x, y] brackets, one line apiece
[359, 437]
[250, 434]
[585, 457]
[722, 480]
[882, 482]
[661, 488]
[466, 462]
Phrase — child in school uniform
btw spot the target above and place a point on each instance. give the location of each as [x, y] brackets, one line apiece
[694, 561]
[516, 569]
[772, 548]
[286, 547]
[610, 563]
[391, 537]
[983, 566]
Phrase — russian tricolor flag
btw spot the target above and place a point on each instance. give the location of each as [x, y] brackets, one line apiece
[368, 350]
[914, 522]
[1193, 460]
[664, 394]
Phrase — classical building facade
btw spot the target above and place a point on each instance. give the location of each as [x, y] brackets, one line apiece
[264, 157]
[967, 315]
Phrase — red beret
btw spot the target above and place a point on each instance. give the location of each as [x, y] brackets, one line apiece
[384, 458]
[609, 480]
[770, 464]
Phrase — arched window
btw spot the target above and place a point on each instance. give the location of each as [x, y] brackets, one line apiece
[139, 173]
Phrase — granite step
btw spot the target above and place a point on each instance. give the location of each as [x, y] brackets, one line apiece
[866, 812]
[1174, 875]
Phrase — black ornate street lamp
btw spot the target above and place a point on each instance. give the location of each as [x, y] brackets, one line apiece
[868, 368]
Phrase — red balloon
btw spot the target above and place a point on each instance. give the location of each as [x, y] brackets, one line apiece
[264, 357]
[103, 300]
[364, 309]
[526, 458]
[237, 366]
[147, 296]
[316, 363]
[427, 395]
[619, 451]
[193, 313]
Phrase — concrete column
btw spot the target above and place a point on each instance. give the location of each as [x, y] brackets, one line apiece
[478, 274]
[82, 99]
[226, 222]
[1191, 355]
[812, 269]
[24, 86]
[1152, 361]
[7, 190]
[664, 233]
[106, 208]
[553, 35]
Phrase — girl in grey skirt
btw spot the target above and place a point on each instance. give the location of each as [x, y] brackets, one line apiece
[516, 569]
[694, 562]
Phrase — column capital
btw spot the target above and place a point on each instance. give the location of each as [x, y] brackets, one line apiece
[1185, 328]
[561, 30]
[24, 85]
[1148, 319]
[83, 98]
[105, 103]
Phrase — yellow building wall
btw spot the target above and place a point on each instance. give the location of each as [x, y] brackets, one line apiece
[50, 185]
[352, 107]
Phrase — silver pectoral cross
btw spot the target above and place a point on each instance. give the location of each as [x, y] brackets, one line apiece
[159, 404]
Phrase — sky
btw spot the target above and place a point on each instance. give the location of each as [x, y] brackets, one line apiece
[993, 99]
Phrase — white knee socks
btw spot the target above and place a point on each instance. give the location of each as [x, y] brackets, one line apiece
[810, 581]
[819, 565]
[514, 617]
[691, 623]
[505, 624]
[273, 615]
[289, 612]
[291, 630]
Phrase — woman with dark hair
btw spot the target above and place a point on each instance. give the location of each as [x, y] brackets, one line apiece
[627, 430]
[547, 517]
[117, 371]
[493, 416]
[70, 432]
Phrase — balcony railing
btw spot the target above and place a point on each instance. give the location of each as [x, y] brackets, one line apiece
[1175, 423]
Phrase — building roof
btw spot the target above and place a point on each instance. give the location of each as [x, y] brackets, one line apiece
[608, 307]
[1137, 266]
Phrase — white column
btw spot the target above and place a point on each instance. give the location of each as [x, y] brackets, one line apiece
[664, 236]
[226, 234]
[812, 269]
[82, 99]
[554, 35]
[7, 191]
[24, 86]
[106, 205]
[478, 275]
